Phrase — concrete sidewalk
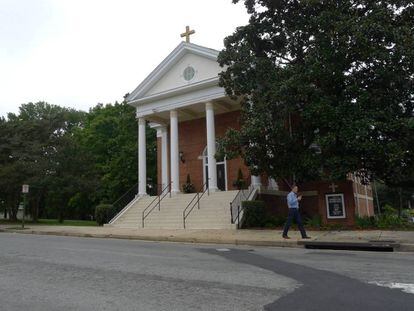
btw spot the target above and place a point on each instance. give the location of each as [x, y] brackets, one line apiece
[237, 237]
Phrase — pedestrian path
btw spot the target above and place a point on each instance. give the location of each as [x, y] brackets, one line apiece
[224, 236]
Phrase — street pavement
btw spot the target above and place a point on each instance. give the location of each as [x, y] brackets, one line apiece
[43, 272]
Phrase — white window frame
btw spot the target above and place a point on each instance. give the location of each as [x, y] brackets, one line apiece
[327, 205]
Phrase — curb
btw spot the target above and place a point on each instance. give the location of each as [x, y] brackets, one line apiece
[293, 244]
[402, 247]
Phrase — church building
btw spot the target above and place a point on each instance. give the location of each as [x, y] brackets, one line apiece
[182, 100]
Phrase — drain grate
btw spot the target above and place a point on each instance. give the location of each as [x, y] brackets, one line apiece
[377, 246]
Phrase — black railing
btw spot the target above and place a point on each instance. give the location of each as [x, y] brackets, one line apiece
[192, 204]
[157, 200]
[236, 206]
[123, 201]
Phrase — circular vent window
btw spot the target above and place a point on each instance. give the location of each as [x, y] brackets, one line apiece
[188, 73]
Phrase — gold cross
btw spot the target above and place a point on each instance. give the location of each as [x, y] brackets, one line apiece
[333, 187]
[187, 34]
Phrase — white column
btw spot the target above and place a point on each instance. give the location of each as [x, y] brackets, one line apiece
[256, 182]
[142, 158]
[175, 164]
[272, 184]
[211, 147]
[164, 157]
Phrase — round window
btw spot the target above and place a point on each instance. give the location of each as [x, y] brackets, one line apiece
[188, 73]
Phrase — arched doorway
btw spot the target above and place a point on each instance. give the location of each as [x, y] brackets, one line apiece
[221, 170]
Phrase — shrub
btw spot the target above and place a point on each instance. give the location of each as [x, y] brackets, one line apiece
[387, 221]
[314, 222]
[365, 222]
[254, 214]
[104, 213]
[188, 187]
[239, 183]
[388, 210]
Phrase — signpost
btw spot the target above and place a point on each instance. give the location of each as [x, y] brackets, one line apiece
[25, 191]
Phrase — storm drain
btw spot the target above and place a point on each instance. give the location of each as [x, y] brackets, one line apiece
[371, 246]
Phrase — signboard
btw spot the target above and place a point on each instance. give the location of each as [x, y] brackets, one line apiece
[335, 205]
[25, 189]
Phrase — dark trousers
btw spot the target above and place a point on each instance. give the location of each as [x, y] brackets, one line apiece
[294, 214]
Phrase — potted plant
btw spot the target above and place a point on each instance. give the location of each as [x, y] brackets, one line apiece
[188, 187]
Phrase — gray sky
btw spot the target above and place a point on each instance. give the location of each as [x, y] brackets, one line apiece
[77, 53]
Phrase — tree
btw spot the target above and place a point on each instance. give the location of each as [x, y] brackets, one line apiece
[327, 89]
[111, 136]
[35, 148]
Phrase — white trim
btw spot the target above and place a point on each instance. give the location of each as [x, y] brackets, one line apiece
[182, 49]
[363, 196]
[327, 205]
[217, 163]
[180, 101]
[366, 200]
[175, 91]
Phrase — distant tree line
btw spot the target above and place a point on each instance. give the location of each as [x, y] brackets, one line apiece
[72, 160]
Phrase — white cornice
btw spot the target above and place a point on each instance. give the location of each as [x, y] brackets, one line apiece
[177, 91]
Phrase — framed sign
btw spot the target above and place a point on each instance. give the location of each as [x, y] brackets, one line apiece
[335, 205]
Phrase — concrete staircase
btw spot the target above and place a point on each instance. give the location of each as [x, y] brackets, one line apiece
[214, 213]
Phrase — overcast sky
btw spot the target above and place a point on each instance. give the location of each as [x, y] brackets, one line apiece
[77, 53]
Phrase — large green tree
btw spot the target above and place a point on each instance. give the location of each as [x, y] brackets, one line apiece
[111, 136]
[35, 148]
[327, 89]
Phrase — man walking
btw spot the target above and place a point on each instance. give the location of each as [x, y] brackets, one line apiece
[293, 204]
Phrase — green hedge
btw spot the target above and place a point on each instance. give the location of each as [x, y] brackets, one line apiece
[104, 213]
[254, 214]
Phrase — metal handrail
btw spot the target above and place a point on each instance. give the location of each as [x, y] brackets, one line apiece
[198, 196]
[158, 198]
[237, 203]
[134, 187]
[123, 201]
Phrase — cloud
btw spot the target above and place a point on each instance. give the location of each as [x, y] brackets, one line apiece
[78, 53]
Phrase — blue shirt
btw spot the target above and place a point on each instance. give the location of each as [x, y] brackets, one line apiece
[292, 200]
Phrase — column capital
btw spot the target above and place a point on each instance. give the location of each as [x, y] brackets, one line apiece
[209, 105]
[173, 113]
[141, 120]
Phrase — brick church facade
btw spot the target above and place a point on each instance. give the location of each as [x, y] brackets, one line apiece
[181, 99]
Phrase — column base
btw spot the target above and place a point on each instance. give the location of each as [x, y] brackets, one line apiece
[215, 189]
[175, 192]
[143, 194]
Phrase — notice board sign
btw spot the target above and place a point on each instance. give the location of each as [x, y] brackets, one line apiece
[335, 205]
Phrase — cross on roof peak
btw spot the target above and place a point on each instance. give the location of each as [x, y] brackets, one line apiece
[187, 34]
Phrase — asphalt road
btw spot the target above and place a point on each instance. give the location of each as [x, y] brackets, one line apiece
[67, 273]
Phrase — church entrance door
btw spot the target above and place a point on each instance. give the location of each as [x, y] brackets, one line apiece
[221, 171]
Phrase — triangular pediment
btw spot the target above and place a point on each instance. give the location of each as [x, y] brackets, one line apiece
[188, 65]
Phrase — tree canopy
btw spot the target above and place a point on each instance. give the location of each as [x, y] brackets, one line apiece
[327, 89]
[71, 159]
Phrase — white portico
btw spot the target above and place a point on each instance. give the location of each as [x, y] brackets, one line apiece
[183, 87]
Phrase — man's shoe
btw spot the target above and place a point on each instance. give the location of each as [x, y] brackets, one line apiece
[286, 237]
[306, 237]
